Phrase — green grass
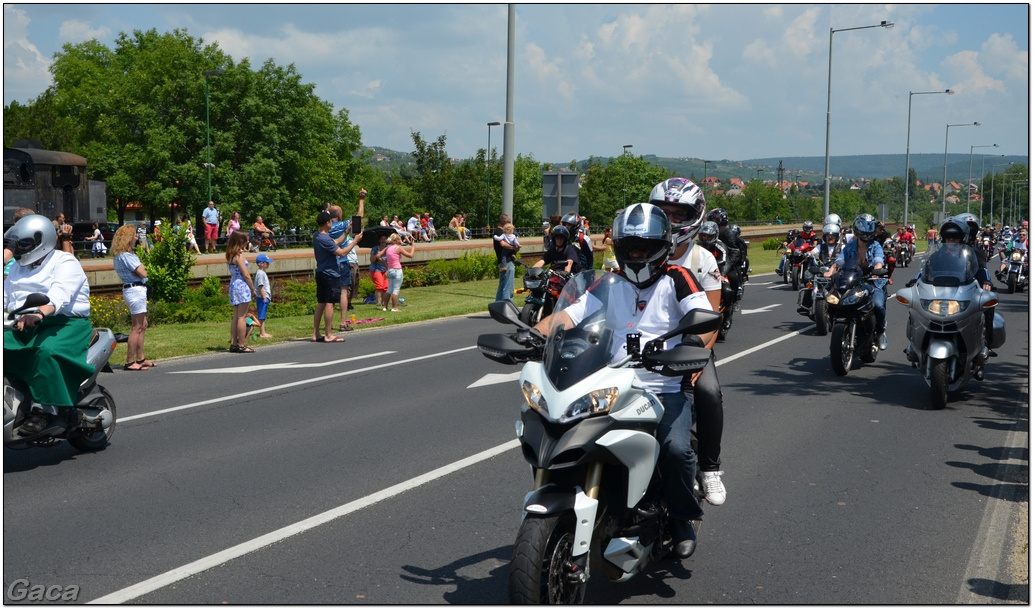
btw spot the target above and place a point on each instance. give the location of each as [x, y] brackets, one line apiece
[172, 340]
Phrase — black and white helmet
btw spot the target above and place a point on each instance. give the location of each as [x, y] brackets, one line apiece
[572, 221]
[808, 226]
[642, 227]
[833, 219]
[708, 233]
[688, 198]
[31, 239]
[864, 227]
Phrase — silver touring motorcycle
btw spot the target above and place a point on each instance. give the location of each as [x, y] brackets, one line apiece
[945, 324]
[587, 429]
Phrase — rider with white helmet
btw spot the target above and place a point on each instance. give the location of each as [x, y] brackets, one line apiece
[47, 349]
[685, 206]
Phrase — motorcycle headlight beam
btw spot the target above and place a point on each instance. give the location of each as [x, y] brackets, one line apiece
[534, 398]
[944, 307]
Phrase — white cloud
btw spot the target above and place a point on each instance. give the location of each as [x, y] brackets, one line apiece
[969, 75]
[800, 37]
[26, 70]
[1002, 55]
[75, 31]
[760, 53]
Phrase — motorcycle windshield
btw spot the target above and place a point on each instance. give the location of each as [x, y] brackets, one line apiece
[800, 243]
[581, 341]
[950, 264]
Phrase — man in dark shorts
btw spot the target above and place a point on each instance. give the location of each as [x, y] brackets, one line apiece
[328, 276]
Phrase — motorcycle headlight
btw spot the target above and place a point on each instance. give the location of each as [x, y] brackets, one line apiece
[595, 402]
[534, 398]
[853, 297]
[944, 307]
[1016, 256]
[832, 299]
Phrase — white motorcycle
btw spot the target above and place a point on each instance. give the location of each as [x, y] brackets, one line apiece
[587, 430]
[95, 405]
[946, 322]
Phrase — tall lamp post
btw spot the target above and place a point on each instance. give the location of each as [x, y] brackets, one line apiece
[828, 106]
[208, 129]
[487, 163]
[993, 181]
[982, 178]
[968, 187]
[705, 163]
[1012, 213]
[946, 138]
[624, 165]
[907, 156]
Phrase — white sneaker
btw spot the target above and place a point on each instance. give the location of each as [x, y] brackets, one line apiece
[884, 342]
[713, 488]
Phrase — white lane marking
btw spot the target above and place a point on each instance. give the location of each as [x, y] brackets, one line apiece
[170, 577]
[245, 394]
[760, 310]
[198, 566]
[280, 365]
[494, 379]
[774, 341]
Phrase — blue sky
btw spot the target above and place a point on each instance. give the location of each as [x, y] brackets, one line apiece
[724, 81]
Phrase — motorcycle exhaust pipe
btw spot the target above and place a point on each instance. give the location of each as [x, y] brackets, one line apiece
[102, 419]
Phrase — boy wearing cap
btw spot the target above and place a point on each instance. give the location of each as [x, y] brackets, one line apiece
[265, 293]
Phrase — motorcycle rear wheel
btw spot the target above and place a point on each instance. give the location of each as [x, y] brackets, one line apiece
[88, 440]
[938, 382]
[538, 573]
[841, 353]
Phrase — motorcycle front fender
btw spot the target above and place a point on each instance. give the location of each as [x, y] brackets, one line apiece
[553, 499]
[941, 349]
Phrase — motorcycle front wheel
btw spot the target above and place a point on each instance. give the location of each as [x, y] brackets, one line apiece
[1013, 281]
[797, 271]
[96, 439]
[531, 313]
[822, 321]
[841, 349]
[939, 379]
[542, 556]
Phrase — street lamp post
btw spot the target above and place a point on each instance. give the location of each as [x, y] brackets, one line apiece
[487, 166]
[946, 138]
[1012, 213]
[993, 181]
[907, 156]
[968, 187]
[208, 129]
[624, 165]
[982, 178]
[828, 106]
[705, 163]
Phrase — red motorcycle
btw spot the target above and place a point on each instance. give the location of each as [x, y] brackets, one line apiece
[795, 257]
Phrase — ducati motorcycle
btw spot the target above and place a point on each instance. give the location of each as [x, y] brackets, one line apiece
[945, 322]
[852, 310]
[95, 405]
[543, 286]
[587, 428]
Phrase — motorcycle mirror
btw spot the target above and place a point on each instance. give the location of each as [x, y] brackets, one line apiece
[903, 296]
[32, 301]
[504, 311]
[696, 321]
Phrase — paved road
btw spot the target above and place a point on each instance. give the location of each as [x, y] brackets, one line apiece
[372, 472]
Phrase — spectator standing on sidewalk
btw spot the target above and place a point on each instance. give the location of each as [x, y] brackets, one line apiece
[394, 268]
[378, 272]
[133, 275]
[328, 276]
[242, 290]
[264, 295]
[211, 227]
[505, 250]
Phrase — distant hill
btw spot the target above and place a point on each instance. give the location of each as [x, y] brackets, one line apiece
[929, 167]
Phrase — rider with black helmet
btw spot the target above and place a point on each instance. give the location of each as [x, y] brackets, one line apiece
[561, 252]
[579, 240]
[642, 243]
[864, 252]
[736, 249]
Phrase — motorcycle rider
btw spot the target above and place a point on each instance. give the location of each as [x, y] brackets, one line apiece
[736, 251]
[829, 248]
[807, 232]
[881, 235]
[579, 240]
[47, 349]
[561, 251]
[865, 253]
[790, 238]
[643, 243]
[746, 270]
[685, 206]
